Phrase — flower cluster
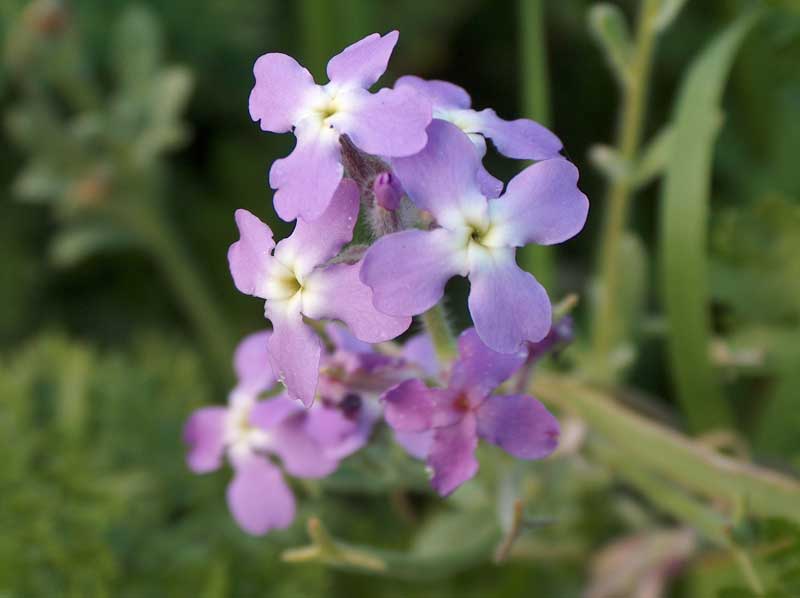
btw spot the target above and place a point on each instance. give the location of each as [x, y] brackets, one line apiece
[407, 162]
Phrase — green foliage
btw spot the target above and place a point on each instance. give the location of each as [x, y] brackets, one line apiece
[684, 224]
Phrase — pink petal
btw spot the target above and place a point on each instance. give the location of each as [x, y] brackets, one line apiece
[443, 177]
[419, 351]
[409, 406]
[301, 455]
[294, 353]
[281, 85]
[416, 444]
[363, 62]
[452, 455]
[542, 205]
[478, 368]
[204, 433]
[313, 243]
[249, 258]
[337, 434]
[442, 94]
[269, 413]
[258, 498]
[389, 123]
[339, 294]
[520, 425]
[306, 179]
[251, 363]
[522, 139]
[407, 271]
[508, 306]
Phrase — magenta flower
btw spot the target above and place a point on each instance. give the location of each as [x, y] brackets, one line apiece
[522, 139]
[295, 281]
[464, 411]
[389, 123]
[248, 432]
[476, 237]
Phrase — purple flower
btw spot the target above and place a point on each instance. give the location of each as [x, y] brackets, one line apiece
[389, 123]
[476, 237]
[462, 412]
[295, 281]
[248, 432]
[522, 139]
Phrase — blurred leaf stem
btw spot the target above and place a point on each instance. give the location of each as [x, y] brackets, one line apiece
[535, 86]
[671, 455]
[159, 238]
[606, 322]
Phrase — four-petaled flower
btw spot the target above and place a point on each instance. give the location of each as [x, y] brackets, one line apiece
[295, 281]
[389, 123]
[522, 139]
[476, 237]
[309, 443]
[457, 415]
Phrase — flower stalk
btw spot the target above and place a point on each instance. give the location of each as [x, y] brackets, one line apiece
[607, 321]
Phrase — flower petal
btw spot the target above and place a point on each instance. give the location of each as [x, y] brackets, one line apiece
[281, 86]
[389, 123]
[542, 205]
[337, 434]
[452, 455]
[344, 341]
[306, 179]
[522, 139]
[336, 292]
[269, 413]
[204, 433]
[258, 498]
[443, 177]
[409, 406]
[363, 62]
[442, 94]
[416, 444]
[294, 353]
[520, 425]
[419, 351]
[301, 455]
[251, 363]
[315, 242]
[249, 258]
[508, 306]
[480, 369]
[407, 271]
[490, 186]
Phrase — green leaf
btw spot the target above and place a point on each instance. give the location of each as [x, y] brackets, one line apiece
[137, 51]
[71, 246]
[669, 10]
[610, 29]
[654, 158]
[684, 225]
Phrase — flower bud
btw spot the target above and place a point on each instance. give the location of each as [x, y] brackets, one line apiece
[388, 191]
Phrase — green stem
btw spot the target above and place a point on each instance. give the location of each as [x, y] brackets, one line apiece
[606, 321]
[162, 242]
[438, 328]
[665, 452]
[536, 105]
[390, 563]
[666, 496]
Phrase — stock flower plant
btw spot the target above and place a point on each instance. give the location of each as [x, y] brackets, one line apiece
[406, 162]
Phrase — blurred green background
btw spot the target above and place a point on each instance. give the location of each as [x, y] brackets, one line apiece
[126, 147]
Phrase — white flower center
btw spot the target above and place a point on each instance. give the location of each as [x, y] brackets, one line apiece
[241, 437]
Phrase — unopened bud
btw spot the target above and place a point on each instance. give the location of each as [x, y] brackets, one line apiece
[388, 191]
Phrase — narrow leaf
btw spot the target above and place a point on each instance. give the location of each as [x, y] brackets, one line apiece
[609, 27]
[684, 226]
